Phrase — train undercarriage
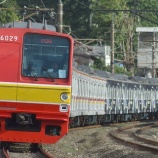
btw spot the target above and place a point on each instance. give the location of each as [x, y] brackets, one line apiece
[86, 120]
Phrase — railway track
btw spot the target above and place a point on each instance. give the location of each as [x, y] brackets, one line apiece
[85, 127]
[130, 135]
[6, 152]
[138, 136]
[98, 126]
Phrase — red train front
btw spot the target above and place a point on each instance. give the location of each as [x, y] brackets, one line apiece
[34, 95]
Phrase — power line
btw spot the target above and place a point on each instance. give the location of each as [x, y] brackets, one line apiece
[124, 10]
[43, 4]
[135, 12]
[83, 4]
[3, 2]
[44, 10]
[29, 9]
[58, 23]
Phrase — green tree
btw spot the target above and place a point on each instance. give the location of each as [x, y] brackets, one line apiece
[146, 19]
[86, 22]
[8, 15]
[77, 16]
[99, 64]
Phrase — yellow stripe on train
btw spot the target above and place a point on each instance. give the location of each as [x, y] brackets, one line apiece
[8, 91]
[34, 93]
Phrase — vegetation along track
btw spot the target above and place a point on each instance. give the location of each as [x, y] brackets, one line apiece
[130, 136]
[23, 150]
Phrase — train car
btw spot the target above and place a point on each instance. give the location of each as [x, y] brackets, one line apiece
[34, 95]
[99, 97]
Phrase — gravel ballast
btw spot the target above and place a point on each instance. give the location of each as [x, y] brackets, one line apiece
[94, 143]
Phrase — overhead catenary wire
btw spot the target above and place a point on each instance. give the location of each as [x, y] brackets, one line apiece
[3, 2]
[74, 36]
[83, 4]
[43, 4]
[29, 9]
[44, 10]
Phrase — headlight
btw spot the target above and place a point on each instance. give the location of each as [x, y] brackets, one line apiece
[64, 96]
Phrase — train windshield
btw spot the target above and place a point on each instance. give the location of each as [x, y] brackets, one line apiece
[45, 56]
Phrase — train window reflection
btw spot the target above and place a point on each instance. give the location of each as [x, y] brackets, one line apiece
[45, 56]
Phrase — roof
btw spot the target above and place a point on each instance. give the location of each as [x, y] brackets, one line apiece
[147, 29]
[28, 24]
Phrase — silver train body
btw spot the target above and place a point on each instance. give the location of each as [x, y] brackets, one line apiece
[99, 97]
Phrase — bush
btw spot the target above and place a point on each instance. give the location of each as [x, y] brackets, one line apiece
[99, 64]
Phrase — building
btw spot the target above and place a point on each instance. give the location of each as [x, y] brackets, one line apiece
[85, 55]
[147, 58]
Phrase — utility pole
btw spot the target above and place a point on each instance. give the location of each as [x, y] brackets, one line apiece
[112, 45]
[60, 16]
[153, 56]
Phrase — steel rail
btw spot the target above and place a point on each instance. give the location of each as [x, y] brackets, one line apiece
[40, 153]
[43, 152]
[147, 140]
[4, 153]
[115, 135]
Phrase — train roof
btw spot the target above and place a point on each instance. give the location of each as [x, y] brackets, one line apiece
[118, 77]
[104, 74]
[153, 80]
[85, 69]
[29, 24]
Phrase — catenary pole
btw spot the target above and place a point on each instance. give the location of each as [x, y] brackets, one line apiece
[112, 44]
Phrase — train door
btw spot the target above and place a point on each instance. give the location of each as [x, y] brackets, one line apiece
[141, 104]
[118, 98]
[79, 97]
[127, 99]
[148, 101]
[152, 99]
[86, 88]
[156, 99]
[139, 98]
[95, 97]
[103, 97]
[9, 63]
[90, 94]
[145, 100]
[133, 100]
[84, 94]
[106, 97]
[74, 95]
[123, 102]
[142, 99]
[113, 98]
[135, 95]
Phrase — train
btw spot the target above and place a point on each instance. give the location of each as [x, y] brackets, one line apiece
[100, 97]
[34, 98]
[38, 104]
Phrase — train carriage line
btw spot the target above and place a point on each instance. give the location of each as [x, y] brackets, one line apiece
[111, 97]
[38, 103]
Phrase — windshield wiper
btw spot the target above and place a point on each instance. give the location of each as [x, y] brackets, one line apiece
[49, 75]
[33, 73]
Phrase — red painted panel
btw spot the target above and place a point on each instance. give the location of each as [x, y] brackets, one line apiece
[9, 62]
[35, 137]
